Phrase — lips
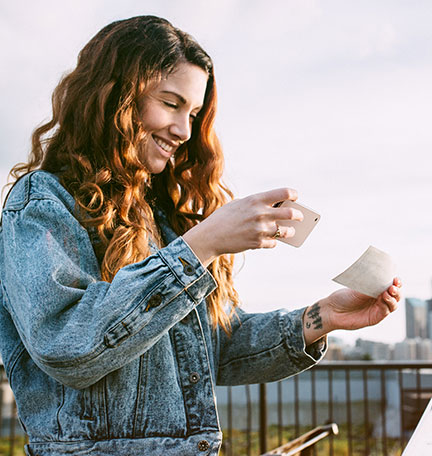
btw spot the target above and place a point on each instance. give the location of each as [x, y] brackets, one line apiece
[166, 147]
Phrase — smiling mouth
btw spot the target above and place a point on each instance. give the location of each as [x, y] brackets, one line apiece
[163, 145]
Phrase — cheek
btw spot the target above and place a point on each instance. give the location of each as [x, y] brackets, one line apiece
[153, 118]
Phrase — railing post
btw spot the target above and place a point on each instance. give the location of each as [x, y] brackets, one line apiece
[230, 423]
[383, 413]
[1, 403]
[348, 410]
[366, 410]
[12, 429]
[313, 404]
[418, 389]
[249, 421]
[296, 407]
[280, 417]
[401, 411]
[263, 418]
[330, 394]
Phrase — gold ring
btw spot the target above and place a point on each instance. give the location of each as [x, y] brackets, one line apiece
[278, 232]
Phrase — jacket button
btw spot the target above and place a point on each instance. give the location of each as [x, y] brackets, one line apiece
[188, 270]
[154, 300]
[194, 377]
[203, 445]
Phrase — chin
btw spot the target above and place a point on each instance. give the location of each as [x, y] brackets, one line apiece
[156, 168]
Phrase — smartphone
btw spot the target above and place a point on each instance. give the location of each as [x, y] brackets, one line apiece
[303, 228]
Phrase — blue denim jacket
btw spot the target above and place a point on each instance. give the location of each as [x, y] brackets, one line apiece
[127, 367]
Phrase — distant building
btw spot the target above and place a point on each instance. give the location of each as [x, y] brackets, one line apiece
[424, 349]
[354, 354]
[429, 318]
[416, 311]
[373, 350]
[334, 353]
[405, 351]
[413, 349]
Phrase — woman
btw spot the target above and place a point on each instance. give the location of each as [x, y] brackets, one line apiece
[118, 312]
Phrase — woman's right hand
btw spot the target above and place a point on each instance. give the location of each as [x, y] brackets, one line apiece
[243, 224]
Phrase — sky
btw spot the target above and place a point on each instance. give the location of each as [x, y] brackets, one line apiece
[332, 98]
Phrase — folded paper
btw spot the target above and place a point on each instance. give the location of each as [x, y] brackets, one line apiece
[371, 274]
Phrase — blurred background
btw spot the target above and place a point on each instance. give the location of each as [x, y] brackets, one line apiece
[333, 98]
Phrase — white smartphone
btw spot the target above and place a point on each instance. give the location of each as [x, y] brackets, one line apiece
[303, 228]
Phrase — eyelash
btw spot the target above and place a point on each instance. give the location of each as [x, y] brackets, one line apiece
[174, 106]
[170, 105]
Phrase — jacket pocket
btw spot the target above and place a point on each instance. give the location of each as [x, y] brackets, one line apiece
[160, 408]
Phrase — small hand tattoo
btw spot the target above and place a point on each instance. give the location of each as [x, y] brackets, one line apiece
[314, 315]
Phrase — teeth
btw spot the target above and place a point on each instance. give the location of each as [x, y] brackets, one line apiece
[166, 147]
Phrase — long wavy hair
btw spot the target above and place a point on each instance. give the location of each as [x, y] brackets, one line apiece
[92, 143]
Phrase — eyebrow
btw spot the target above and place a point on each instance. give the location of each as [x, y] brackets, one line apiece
[182, 99]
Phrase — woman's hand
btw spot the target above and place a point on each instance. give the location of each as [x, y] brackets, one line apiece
[349, 309]
[243, 224]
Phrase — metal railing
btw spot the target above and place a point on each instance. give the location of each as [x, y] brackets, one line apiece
[375, 404]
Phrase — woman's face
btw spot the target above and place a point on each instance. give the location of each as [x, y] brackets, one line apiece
[167, 113]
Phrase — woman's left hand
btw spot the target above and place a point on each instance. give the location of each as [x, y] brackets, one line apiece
[349, 309]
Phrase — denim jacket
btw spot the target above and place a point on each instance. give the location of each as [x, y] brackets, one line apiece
[127, 367]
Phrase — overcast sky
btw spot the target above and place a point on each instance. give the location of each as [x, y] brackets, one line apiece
[333, 98]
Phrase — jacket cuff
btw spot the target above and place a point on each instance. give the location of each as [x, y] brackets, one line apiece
[318, 349]
[188, 269]
[303, 356]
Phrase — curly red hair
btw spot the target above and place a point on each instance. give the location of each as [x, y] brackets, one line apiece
[91, 143]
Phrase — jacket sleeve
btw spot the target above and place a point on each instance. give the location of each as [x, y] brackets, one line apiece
[76, 327]
[265, 347]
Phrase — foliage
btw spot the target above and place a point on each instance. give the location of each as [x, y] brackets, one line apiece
[18, 450]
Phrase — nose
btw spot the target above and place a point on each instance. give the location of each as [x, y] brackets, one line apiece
[181, 127]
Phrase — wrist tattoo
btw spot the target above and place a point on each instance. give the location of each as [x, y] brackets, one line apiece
[314, 315]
